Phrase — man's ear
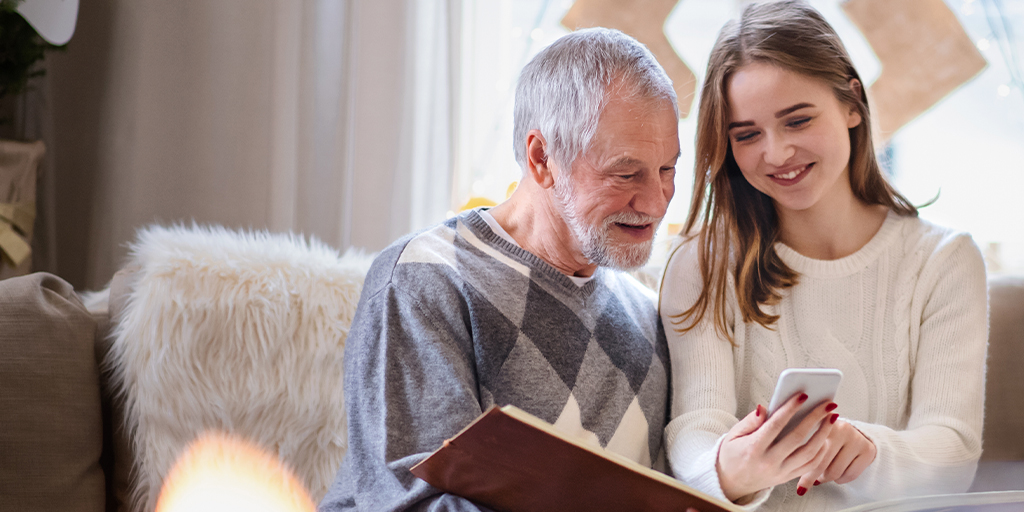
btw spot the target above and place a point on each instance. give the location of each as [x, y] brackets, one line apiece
[854, 118]
[539, 166]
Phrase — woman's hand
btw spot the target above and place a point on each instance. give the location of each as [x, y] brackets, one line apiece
[847, 454]
[748, 461]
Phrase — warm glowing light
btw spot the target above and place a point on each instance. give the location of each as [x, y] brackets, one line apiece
[221, 473]
[476, 202]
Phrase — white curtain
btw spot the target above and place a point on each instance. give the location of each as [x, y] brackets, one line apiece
[328, 117]
[375, 128]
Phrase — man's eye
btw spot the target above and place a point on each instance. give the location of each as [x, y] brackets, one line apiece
[627, 176]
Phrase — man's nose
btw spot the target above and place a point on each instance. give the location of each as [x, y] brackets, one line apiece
[778, 150]
[654, 195]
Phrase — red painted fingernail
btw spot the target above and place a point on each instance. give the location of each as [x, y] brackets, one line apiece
[801, 490]
[802, 399]
[757, 412]
[831, 407]
[833, 418]
[817, 482]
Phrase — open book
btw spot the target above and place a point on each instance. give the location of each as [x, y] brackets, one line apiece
[510, 460]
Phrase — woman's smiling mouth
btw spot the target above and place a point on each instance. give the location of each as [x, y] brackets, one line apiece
[791, 177]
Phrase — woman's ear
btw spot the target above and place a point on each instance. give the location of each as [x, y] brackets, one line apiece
[538, 163]
[854, 118]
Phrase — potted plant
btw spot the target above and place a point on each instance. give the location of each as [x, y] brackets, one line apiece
[28, 29]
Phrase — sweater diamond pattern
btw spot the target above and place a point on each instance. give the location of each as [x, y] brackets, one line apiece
[455, 319]
[557, 332]
[628, 350]
[502, 335]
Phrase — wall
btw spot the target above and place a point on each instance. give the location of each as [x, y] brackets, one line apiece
[264, 114]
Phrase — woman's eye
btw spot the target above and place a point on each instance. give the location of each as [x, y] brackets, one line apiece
[796, 123]
[745, 136]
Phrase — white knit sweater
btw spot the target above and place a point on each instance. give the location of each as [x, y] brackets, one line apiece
[904, 318]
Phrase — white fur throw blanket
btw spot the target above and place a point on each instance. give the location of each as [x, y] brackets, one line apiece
[236, 332]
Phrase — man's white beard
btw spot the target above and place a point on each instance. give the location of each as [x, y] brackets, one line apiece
[594, 241]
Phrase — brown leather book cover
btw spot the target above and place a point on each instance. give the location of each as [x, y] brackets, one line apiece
[510, 460]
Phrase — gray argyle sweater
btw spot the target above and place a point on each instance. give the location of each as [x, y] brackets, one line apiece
[456, 319]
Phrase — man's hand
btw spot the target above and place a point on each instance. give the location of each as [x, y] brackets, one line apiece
[847, 454]
[748, 461]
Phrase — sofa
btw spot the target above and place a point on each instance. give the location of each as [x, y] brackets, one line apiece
[65, 410]
[204, 329]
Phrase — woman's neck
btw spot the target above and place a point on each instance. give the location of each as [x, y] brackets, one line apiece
[832, 229]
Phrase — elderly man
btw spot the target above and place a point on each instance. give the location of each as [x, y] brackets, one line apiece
[526, 304]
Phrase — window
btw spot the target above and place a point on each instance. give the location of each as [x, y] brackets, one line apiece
[968, 149]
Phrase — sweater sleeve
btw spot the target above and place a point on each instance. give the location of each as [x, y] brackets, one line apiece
[409, 385]
[939, 450]
[703, 380]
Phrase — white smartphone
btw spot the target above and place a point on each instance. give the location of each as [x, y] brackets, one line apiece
[820, 384]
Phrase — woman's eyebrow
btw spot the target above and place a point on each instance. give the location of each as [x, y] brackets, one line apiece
[782, 113]
[790, 110]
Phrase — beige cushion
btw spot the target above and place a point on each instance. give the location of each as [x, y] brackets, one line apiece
[50, 423]
[1004, 410]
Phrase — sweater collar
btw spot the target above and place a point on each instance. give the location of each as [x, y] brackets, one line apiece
[478, 226]
[846, 265]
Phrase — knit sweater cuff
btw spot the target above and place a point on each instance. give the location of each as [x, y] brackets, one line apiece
[697, 466]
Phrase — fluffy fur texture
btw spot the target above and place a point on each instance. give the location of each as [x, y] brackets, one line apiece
[238, 332]
[96, 302]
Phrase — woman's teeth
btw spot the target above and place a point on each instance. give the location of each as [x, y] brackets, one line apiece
[790, 175]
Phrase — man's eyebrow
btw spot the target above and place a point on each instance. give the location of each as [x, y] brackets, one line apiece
[628, 161]
[624, 161]
[782, 113]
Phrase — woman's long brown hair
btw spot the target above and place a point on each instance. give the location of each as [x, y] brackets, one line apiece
[738, 224]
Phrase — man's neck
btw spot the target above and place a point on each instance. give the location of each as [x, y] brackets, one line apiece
[535, 223]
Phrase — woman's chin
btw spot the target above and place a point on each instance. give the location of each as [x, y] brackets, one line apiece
[795, 204]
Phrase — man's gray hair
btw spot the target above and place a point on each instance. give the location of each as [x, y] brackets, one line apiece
[563, 89]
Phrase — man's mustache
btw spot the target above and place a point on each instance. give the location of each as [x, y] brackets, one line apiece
[632, 218]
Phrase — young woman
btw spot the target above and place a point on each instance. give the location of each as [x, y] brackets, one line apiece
[800, 254]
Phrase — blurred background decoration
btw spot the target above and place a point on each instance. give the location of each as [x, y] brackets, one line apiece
[944, 81]
[359, 121]
[28, 29]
